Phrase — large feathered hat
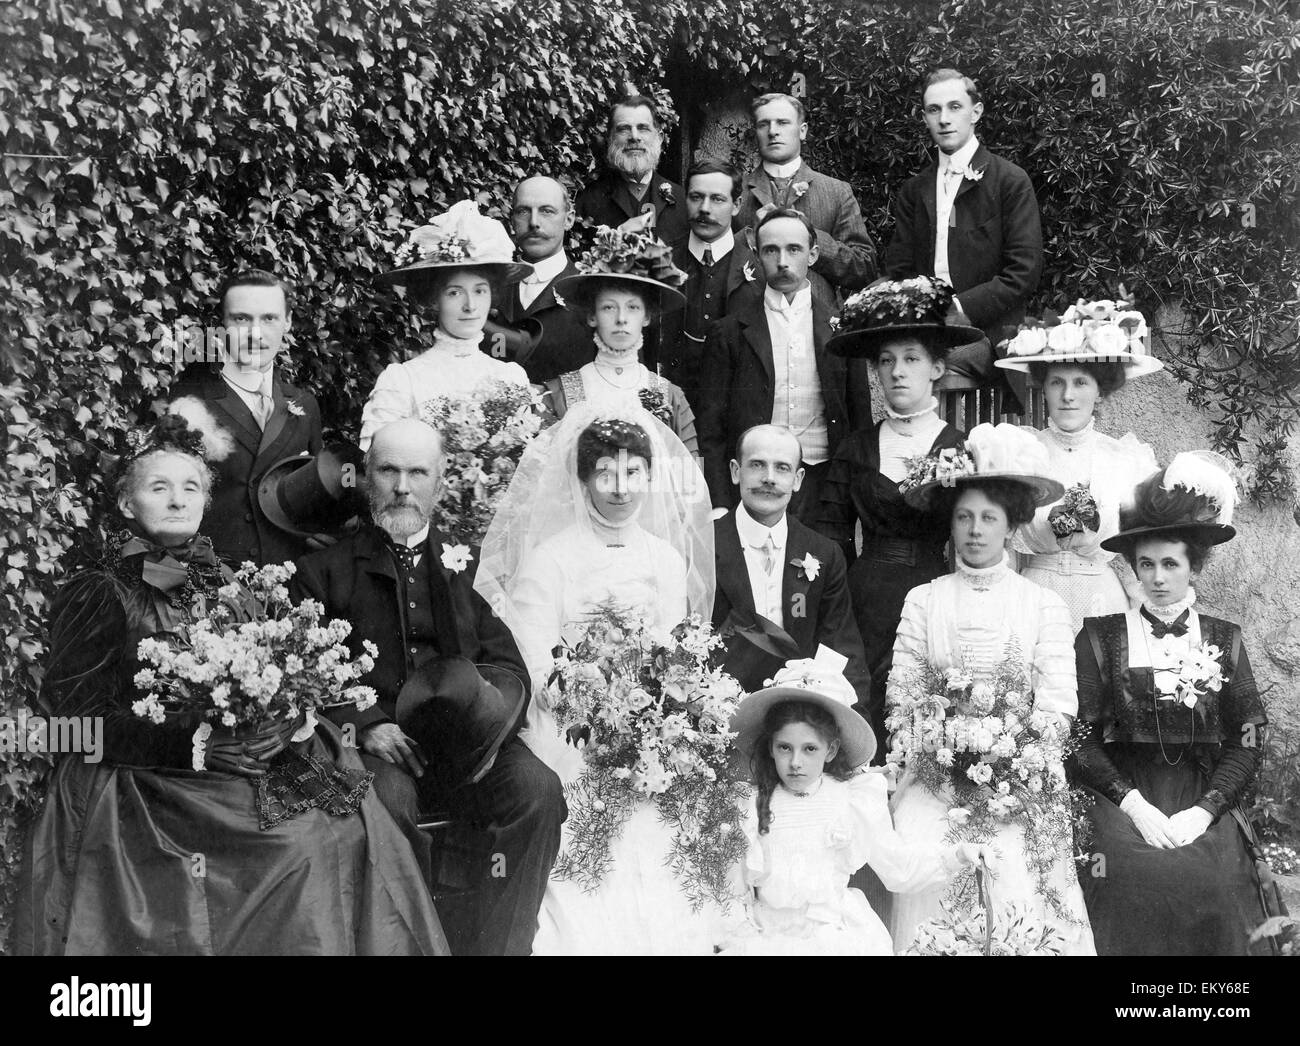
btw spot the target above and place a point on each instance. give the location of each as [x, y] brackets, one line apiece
[1193, 496]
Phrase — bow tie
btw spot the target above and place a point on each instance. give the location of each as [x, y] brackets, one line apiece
[1177, 627]
[166, 568]
[405, 553]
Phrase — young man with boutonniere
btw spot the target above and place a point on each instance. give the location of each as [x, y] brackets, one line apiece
[970, 219]
[718, 265]
[270, 420]
[846, 256]
[766, 362]
[782, 588]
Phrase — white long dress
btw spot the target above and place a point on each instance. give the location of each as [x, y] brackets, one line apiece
[639, 908]
[1084, 573]
[801, 868]
[967, 618]
[450, 367]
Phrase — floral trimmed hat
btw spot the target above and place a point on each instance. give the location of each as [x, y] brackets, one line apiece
[458, 239]
[1193, 495]
[819, 681]
[990, 452]
[639, 262]
[1087, 332]
[904, 308]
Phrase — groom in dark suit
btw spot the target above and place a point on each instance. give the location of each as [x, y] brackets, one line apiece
[766, 362]
[771, 566]
[412, 595]
[269, 419]
[971, 219]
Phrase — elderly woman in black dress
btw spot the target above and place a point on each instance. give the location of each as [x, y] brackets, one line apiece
[1174, 731]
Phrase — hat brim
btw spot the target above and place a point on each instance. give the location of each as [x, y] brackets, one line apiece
[1045, 490]
[421, 271]
[268, 499]
[868, 341]
[857, 739]
[1206, 533]
[1134, 366]
[578, 291]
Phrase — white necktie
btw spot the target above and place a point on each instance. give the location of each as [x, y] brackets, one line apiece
[768, 550]
[530, 289]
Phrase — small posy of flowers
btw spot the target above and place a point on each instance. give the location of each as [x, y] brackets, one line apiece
[655, 401]
[966, 933]
[809, 564]
[942, 467]
[666, 194]
[235, 672]
[1103, 328]
[654, 715]
[484, 436]
[918, 300]
[295, 408]
[429, 244]
[455, 557]
[1199, 671]
[1074, 513]
[1281, 858]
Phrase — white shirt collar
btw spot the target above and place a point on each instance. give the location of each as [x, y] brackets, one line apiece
[417, 539]
[962, 157]
[252, 382]
[721, 247]
[547, 269]
[783, 170]
[753, 534]
[774, 300]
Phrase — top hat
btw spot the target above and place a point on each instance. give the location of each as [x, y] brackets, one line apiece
[1193, 496]
[635, 261]
[461, 714]
[990, 452]
[308, 496]
[1087, 332]
[820, 681]
[886, 312]
[459, 239]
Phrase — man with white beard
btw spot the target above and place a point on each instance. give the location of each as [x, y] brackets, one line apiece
[630, 195]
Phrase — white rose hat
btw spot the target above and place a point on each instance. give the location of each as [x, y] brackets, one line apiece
[1089, 332]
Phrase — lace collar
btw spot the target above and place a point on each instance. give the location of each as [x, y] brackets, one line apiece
[458, 347]
[983, 578]
[1072, 440]
[1168, 613]
[929, 408]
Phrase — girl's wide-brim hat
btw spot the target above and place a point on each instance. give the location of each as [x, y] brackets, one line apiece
[459, 239]
[1193, 496]
[1088, 332]
[631, 261]
[1005, 452]
[896, 310]
[819, 681]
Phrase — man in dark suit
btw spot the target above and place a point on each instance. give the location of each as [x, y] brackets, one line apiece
[541, 213]
[269, 419]
[774, 567]
[971, 219]
[766, 362]
[413, 596]
[631, 195]
[718, 265]
[846, 256]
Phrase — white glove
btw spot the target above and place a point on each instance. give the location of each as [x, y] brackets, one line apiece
[1188, 825]
[972, 853]
[1150, 822]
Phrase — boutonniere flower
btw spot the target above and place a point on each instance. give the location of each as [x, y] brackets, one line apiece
[798, 189]
[666, 194]
[750, 274]
[972, 175]
[294, 408]
[810, 565]
[558, 300]
[455, 557]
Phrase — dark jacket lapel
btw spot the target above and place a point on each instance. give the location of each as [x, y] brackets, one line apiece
[225, 400]
[546, 300]
[753, 324]
[756, 183]
[793, 582]
[742, 256]
[279, 414]
[978, 162]
[440, 594]
[732, 574]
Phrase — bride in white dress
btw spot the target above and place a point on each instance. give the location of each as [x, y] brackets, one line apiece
[608, 504]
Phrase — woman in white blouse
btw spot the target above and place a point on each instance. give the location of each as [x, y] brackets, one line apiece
[455, 264]
[973, 619]
[1095, 349]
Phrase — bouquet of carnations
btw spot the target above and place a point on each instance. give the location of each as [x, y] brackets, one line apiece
[986, 751]
[1074, 513]
[250, 661]
[484, 435]
[654, 716]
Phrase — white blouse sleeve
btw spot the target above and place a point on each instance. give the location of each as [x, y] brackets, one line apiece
[911, 642]
[1055, 687]
[1140, 457]
[389, 400]
[902, 866]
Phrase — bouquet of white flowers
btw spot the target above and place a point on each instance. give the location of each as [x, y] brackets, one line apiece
[483, 437]
[239, 672]
[654, 716]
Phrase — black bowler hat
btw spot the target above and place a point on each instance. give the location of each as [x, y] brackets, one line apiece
[461, 714]
[308, 496]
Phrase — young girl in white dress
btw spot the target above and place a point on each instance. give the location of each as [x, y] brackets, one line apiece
[461, 259]
[817, 816]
